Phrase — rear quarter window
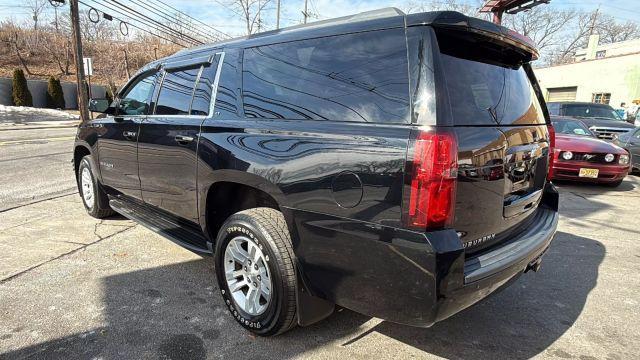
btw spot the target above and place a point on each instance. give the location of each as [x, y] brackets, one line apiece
[355, 77]
[484, 93]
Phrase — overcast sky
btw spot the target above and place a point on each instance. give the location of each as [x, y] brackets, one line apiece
[221, 16]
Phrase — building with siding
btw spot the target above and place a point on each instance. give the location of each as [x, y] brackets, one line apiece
[607, 74]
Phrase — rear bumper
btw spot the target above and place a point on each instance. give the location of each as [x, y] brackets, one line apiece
[492, 270]
[409, 277]
[606, 173]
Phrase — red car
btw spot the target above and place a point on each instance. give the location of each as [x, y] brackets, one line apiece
[580, 156]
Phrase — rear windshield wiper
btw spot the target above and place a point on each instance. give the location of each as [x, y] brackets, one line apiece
[494, 114]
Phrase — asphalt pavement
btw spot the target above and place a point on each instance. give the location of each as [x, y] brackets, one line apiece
[35, 164]
[72, 287]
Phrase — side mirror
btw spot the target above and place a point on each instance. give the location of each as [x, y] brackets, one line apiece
[100, 106]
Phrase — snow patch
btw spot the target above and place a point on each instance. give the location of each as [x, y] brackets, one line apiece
[25, 110]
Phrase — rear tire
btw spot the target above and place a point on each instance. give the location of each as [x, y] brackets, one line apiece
[254, 255]
[94, 199]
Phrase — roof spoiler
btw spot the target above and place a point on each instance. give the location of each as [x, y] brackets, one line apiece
[457, 21]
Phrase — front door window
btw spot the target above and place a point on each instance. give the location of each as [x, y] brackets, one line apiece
[137, 98]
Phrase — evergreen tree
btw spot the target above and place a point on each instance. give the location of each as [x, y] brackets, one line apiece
[21, 95]
[55, 96]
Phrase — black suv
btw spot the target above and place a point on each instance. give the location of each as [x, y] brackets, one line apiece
[601, 119]
[396, 165]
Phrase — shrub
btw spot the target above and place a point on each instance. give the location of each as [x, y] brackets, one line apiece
[21, 95]
[55, 95]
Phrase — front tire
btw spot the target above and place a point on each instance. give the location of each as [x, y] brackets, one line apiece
[94, 199]
[254, 265]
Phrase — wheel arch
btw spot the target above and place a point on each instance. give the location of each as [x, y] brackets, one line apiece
[234, 191]
[79, 151]
[310, 308]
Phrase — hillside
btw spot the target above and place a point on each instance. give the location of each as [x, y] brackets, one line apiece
[48, 51]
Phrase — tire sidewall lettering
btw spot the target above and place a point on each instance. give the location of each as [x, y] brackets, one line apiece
[86, 164]
[230, 232]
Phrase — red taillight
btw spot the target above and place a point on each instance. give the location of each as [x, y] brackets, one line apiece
[552, 148]
[434, 169]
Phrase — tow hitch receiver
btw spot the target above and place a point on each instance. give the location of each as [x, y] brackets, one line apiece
[535, 265]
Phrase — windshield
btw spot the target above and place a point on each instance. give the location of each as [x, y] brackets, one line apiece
[571, 127]
[591, 111]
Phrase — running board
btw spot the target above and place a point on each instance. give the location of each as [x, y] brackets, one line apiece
[183, 235]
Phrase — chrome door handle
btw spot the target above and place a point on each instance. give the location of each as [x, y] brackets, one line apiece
[131, 135]
[182, 139]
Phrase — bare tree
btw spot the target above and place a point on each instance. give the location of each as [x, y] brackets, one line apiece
[36, 7]
[250, 10]
[12, 36]
[543, 25]
[59, 46]
[611, 31]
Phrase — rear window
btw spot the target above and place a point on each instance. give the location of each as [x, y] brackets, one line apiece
[484, 91]
[356, 77]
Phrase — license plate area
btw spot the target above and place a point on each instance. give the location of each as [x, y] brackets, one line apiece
[588, 173]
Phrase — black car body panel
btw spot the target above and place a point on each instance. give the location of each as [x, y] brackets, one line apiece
[334, 160]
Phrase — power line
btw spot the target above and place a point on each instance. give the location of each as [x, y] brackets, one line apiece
[168, 28]
[172, 17]
[227, 7]
[138, 27]
[615, 15]
[191, 17]
[178, 23]
[142, 20]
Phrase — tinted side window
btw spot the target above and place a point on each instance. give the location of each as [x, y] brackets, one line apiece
[228, 92]
[354, 77]
[176, 91]
[136, 99]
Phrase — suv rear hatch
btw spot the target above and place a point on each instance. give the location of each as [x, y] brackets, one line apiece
[495, 109]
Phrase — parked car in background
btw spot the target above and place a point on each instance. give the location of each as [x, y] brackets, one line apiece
[631, 142]
[580, 156]
[318, 165]
[601, 119]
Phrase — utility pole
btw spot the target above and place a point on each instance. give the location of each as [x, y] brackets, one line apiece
[83, 100]
[259, 16]
[593, 22]
[278, 15]
[305, 13]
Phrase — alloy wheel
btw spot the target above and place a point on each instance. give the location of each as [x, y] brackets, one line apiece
[247, 275]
